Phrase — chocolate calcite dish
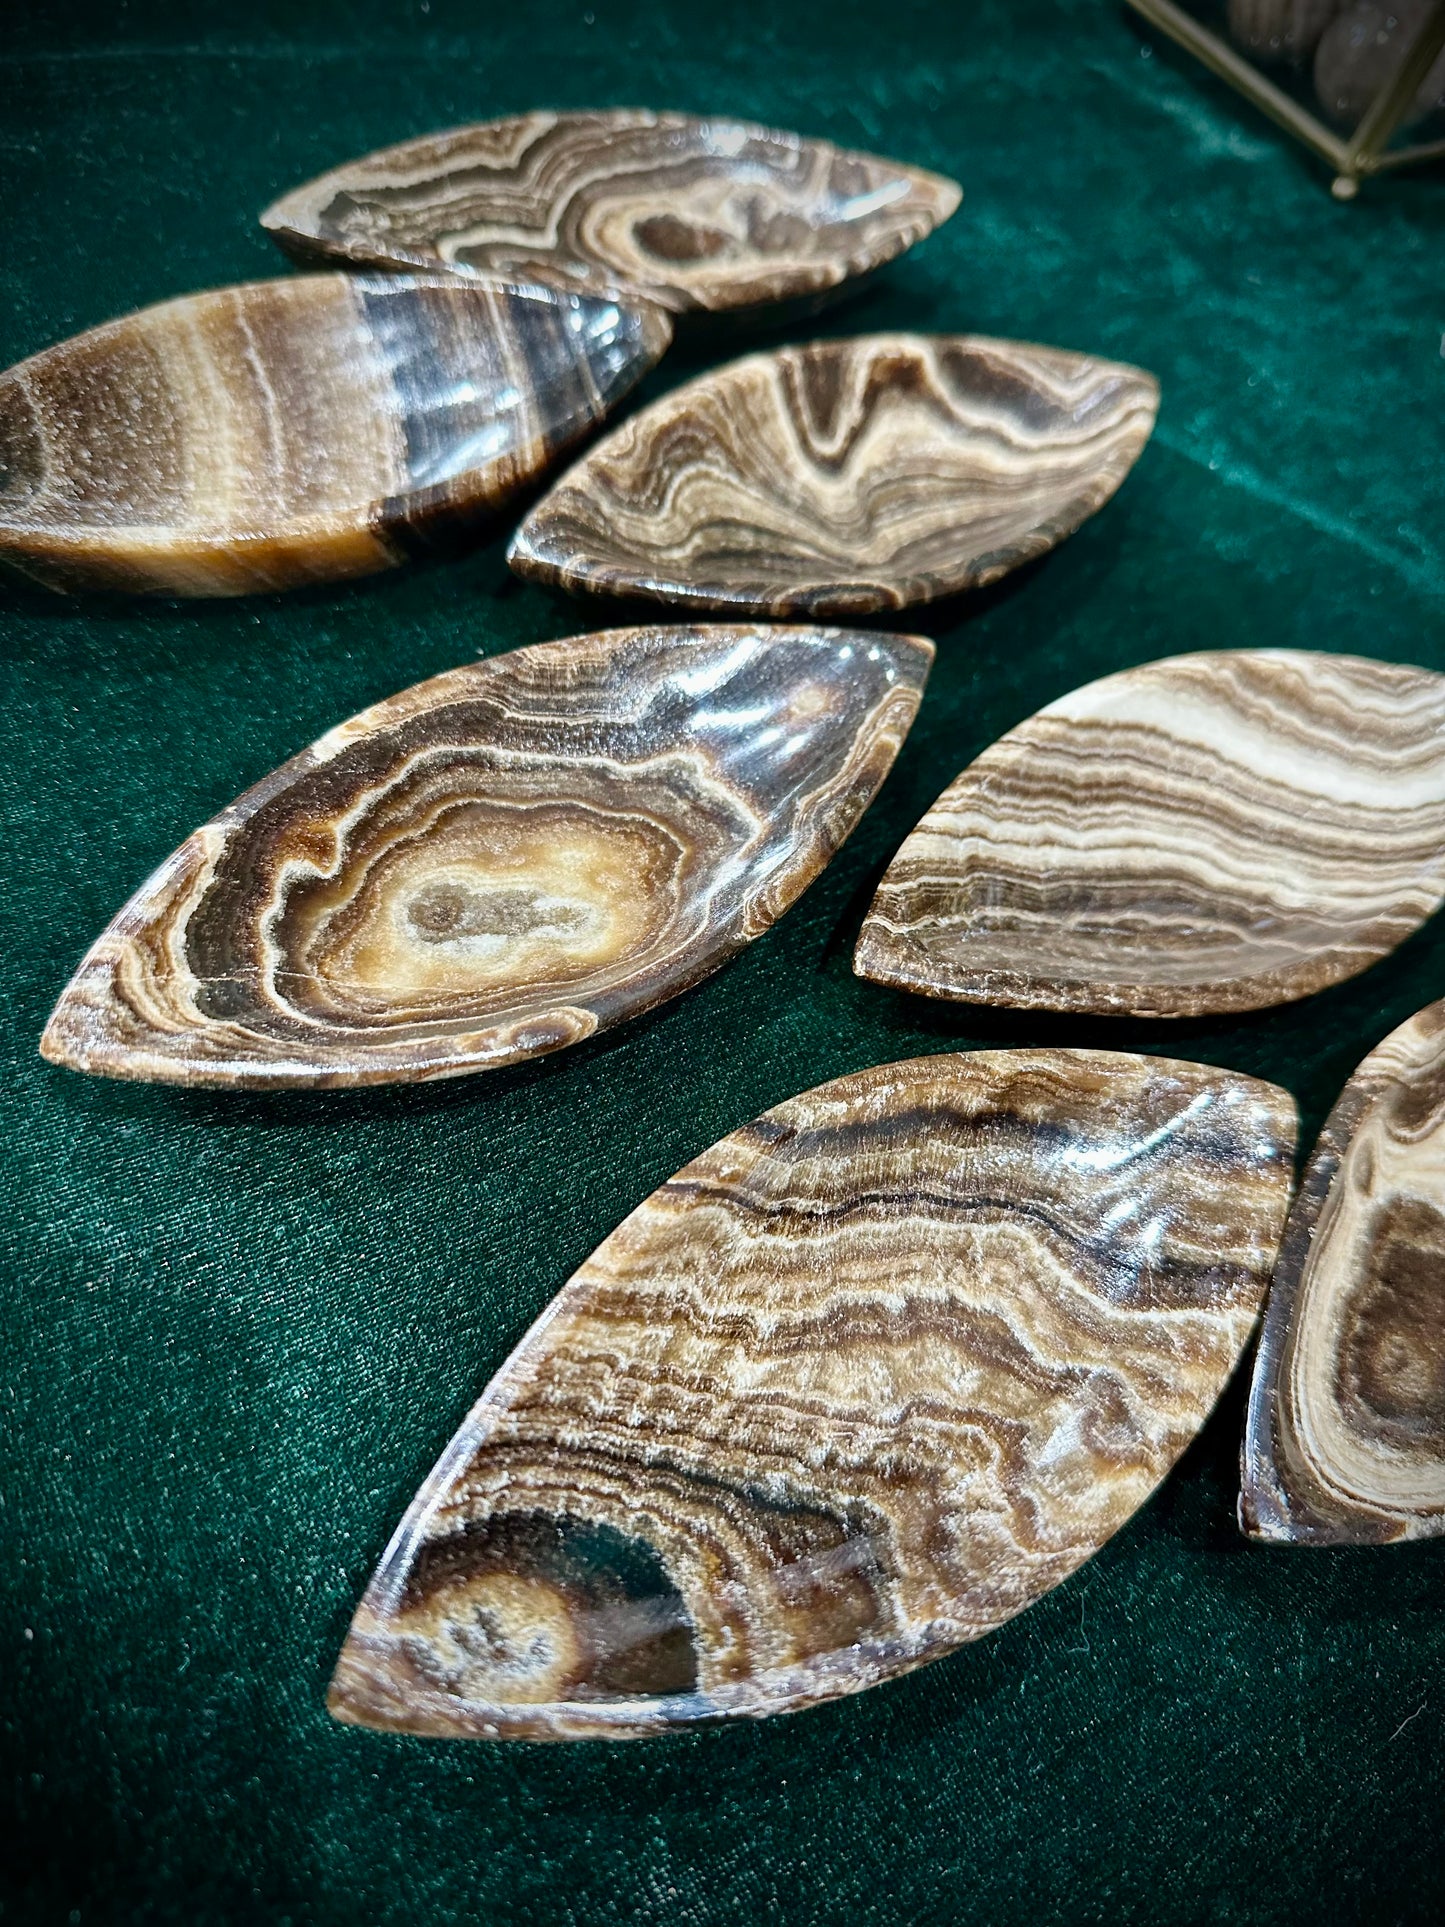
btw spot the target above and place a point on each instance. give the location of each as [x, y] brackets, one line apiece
[498, 862]
[844, 478]
[1345, 1439]
[859, 1384]
[1213, 832]
[693, 214]
[293, 431]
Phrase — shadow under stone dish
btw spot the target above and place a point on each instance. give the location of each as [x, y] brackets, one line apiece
[693, 214]
[1345, 1439]
[498, 862]
[860, 1383]
[1212, 832]
[844, 478]
[301, 430]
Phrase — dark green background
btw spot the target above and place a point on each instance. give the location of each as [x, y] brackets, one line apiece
[237, 1331]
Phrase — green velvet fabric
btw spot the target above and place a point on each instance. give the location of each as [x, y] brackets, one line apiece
[237, 1330]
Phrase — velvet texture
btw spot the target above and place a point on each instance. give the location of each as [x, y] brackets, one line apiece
[237, 1331]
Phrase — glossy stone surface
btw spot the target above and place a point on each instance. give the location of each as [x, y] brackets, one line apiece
[857, 1385]
[498, 862]
[1212, 832]
[1345, 1439]
[295, 431]
[844, 478]
[695, 214]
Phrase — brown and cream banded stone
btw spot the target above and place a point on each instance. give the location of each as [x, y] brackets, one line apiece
[692, 214]
[1345, 1438]
[844, 478]
[1213, 832]
[282, 432]
[498, 862]
[860, 1383]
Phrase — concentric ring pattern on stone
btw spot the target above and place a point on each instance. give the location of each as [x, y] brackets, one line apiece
[292, 431]
[693, 214]
[1345, 1439]
[857, 1385]
[498, 862]
[844, 478]
[1212, 832]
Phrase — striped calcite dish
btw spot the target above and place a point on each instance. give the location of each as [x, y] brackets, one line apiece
[281, 432]
[860, 1383]
[1345, 1438]
[498, 862]
[1212, 832]
[844, 478]
[692, 213]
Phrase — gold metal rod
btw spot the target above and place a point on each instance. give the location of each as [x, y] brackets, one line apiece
[1239, 72]
[1408, 156]
[1390, 105]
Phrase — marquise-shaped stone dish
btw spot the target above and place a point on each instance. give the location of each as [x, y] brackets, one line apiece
[1213, 832]
[1345, 1439]
[844, 478]
[301, 430]
[856, 1386]
[498, 862]
[693, 214]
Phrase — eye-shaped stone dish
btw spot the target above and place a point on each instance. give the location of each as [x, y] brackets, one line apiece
[1345, 1438]
[860, 1383]
[844, 478]
[302, 430]
[692, 214]
[1212, 832]
[498, 862]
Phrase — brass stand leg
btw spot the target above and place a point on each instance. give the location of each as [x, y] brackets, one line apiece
[1389, 107]
[1365, 152]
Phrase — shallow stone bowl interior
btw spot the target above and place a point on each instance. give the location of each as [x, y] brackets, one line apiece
[498, 862]
[844, 478]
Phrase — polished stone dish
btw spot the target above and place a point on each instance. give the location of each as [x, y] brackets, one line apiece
[1213, 832]
[844, 478]
[297, 431]
[1345, 1439]
[860, 1383]
[694, 214]
[498, 862]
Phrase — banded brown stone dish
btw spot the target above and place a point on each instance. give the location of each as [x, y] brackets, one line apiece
[498, 862]
[860, 1383]
[1345, 1438]
[300, 430]
[692, 214]
[844, 478]
[1212, 832]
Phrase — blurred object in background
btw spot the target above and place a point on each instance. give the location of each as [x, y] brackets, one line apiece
[1280, 30]
[1375, 70]
[1363, 50]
